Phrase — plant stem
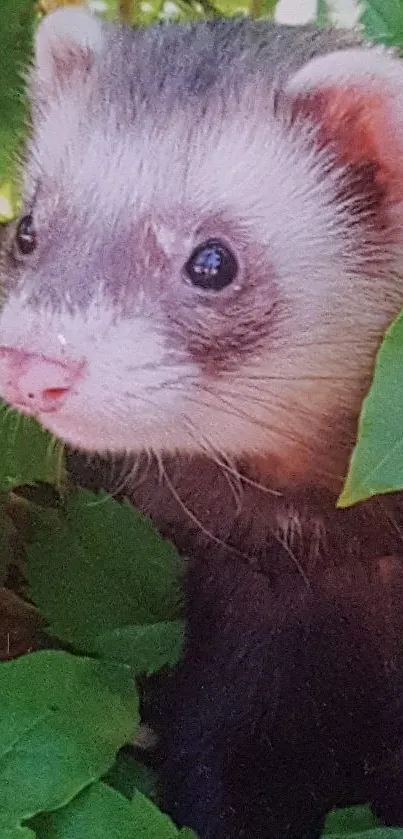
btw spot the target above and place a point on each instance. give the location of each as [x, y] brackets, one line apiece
[125, 10]
[255, 8]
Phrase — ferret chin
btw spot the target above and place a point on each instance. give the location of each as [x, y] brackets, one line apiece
[203, 296]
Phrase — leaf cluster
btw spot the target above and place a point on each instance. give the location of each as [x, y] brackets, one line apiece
[108, 590]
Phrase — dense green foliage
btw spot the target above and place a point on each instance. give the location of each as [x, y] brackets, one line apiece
[377, 462]
[107, 587]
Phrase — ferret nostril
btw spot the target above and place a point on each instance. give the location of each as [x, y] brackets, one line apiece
[54, 392]
[25, 378]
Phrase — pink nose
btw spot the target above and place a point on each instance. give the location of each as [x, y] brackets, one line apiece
[35, 382]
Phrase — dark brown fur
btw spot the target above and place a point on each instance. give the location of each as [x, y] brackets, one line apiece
[246, 520]
[289, 699]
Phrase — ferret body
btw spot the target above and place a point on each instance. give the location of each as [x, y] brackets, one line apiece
[210, 250]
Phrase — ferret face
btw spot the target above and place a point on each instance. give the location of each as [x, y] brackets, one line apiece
[205, 272]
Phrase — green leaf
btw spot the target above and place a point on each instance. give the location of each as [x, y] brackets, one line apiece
[101, 812]
[128, 775]
[376, 464]
[350, 820]
[110, 569]
[62, 720]
[17, 24]
[263, 8]
[324, 13]
[269, 7]
[27, 452]
[7, 200]
[152, 824]
[146, 648]
[372, 833]
[15, 832]
[357, 823]
[382, 20]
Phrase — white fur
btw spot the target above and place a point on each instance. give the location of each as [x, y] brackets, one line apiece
[375, 66]
[131, 398]
[372, 69]
[285, 399]
[62, 39]
[124, 401]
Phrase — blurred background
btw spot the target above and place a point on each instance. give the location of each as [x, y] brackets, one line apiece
[299, 11]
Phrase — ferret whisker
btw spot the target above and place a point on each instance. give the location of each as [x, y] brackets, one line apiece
[307, 378]
[141, 397]
[254, 396]
[56, 446]
[346, 342]
[113, 461]
[235, 410]
[160, 464]
[177, 380]
[232, 476]
[20, 420]
[387, 514]
[232, 468]
[280, 432]
[246, 557]
[135, 479]
[127, 465]
[200, 526]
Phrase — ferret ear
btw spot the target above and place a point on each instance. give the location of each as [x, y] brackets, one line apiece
[67, 43]
[355, 99]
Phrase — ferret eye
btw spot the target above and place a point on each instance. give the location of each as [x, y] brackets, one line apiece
[212, 266]
[26, 235]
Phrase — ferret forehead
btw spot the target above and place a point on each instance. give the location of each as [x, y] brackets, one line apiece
[184, 62]
[161, 99]
[203, 158]
[171, 65]
[234, 173]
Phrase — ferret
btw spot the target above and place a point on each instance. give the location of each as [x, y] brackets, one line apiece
[209, 252]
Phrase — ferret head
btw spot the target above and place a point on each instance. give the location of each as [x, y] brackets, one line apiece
[211, 241]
